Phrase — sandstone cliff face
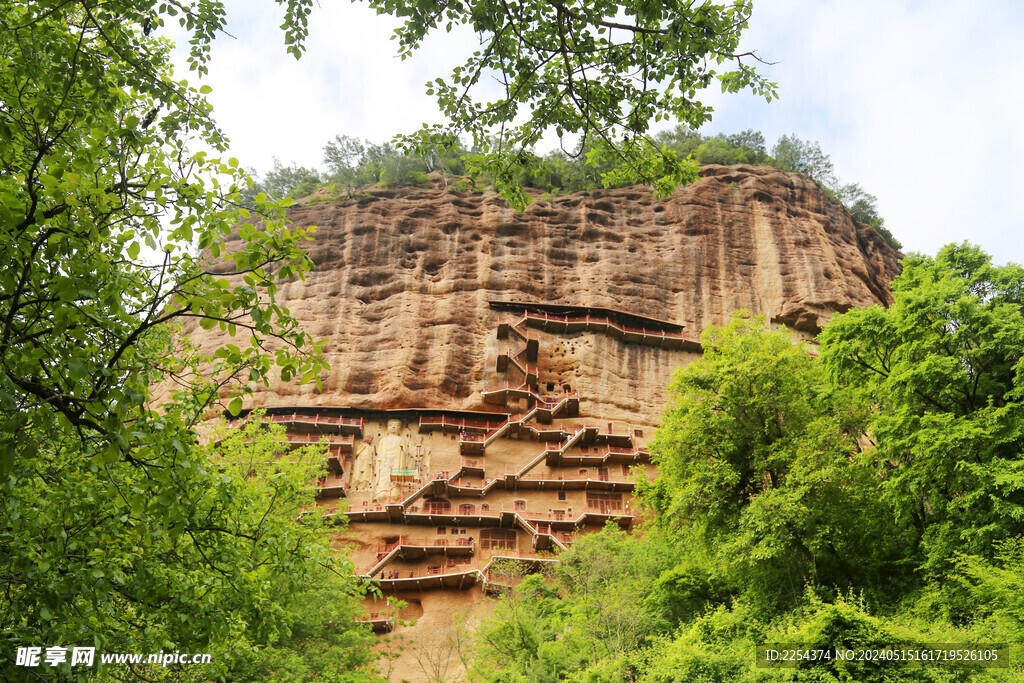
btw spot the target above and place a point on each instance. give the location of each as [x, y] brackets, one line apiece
[402, 291]
[403, 279]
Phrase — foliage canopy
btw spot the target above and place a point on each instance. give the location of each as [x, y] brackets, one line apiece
[598, 73]
[115, 528]
[869, 497]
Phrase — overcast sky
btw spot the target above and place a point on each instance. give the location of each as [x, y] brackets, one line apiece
[919, 102]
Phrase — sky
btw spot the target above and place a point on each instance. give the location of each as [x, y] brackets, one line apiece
[920, 102]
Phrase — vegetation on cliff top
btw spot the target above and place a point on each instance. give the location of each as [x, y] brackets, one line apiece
[353, 166]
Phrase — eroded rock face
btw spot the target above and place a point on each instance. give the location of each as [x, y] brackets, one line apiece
[403, 279]
[403, 292]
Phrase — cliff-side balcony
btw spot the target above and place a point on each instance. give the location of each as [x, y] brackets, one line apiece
[496, 584]
[472, 467]
[380, 622]
[472, 444]
[338, 443]
[480, 518]
[327, 424]
[562, 482]
[333, 488]
[613, 439]
[467, 488]
[369, 512]
[590, 515]
[450, 578]
[403, 475]
[531, 561]
[451, 423]
[335, 463]
[549, 407]
[589, 323]
[413, 549]
[611, 455]
[600, 515]
[660, 338]
[499, 394]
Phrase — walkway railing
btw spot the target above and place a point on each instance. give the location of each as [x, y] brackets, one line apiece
[587, 320]
[318, 419]
[329, 439]
[459, 422]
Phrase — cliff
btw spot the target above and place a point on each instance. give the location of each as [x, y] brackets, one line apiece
[404, 278]
[564, 323]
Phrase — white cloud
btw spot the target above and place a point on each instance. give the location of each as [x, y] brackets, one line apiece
[349, 81]
[917, 101]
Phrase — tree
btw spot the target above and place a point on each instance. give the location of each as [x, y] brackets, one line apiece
[997, 586]
[804, 156]
[752, 143]
[287, 181]
[321, 638]
[437, 654]
[323, 642]
[586, 623]
[343, 157]
[793, 154]
[746, 147]
[525, 618]
[115, 530]
[863, 208]
[605, 577]
[598, 73]
[391, 167]
[759, 461]
[943, 367]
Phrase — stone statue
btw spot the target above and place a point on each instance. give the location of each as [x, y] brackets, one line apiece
[362, 466]
[391, 455]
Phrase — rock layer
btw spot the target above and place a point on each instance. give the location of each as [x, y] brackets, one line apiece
[404, 291]
[403, 279]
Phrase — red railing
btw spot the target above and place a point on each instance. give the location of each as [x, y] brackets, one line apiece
[425, 542]
[330, 439]
[514, 352]
[372, 617]
[515, 323]
[606, 321]
[466, 422]
[615, 512]
[437, 570]
[508, 385]
[599, 476]
[318, 419]
[525, 368]
[532, 517]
